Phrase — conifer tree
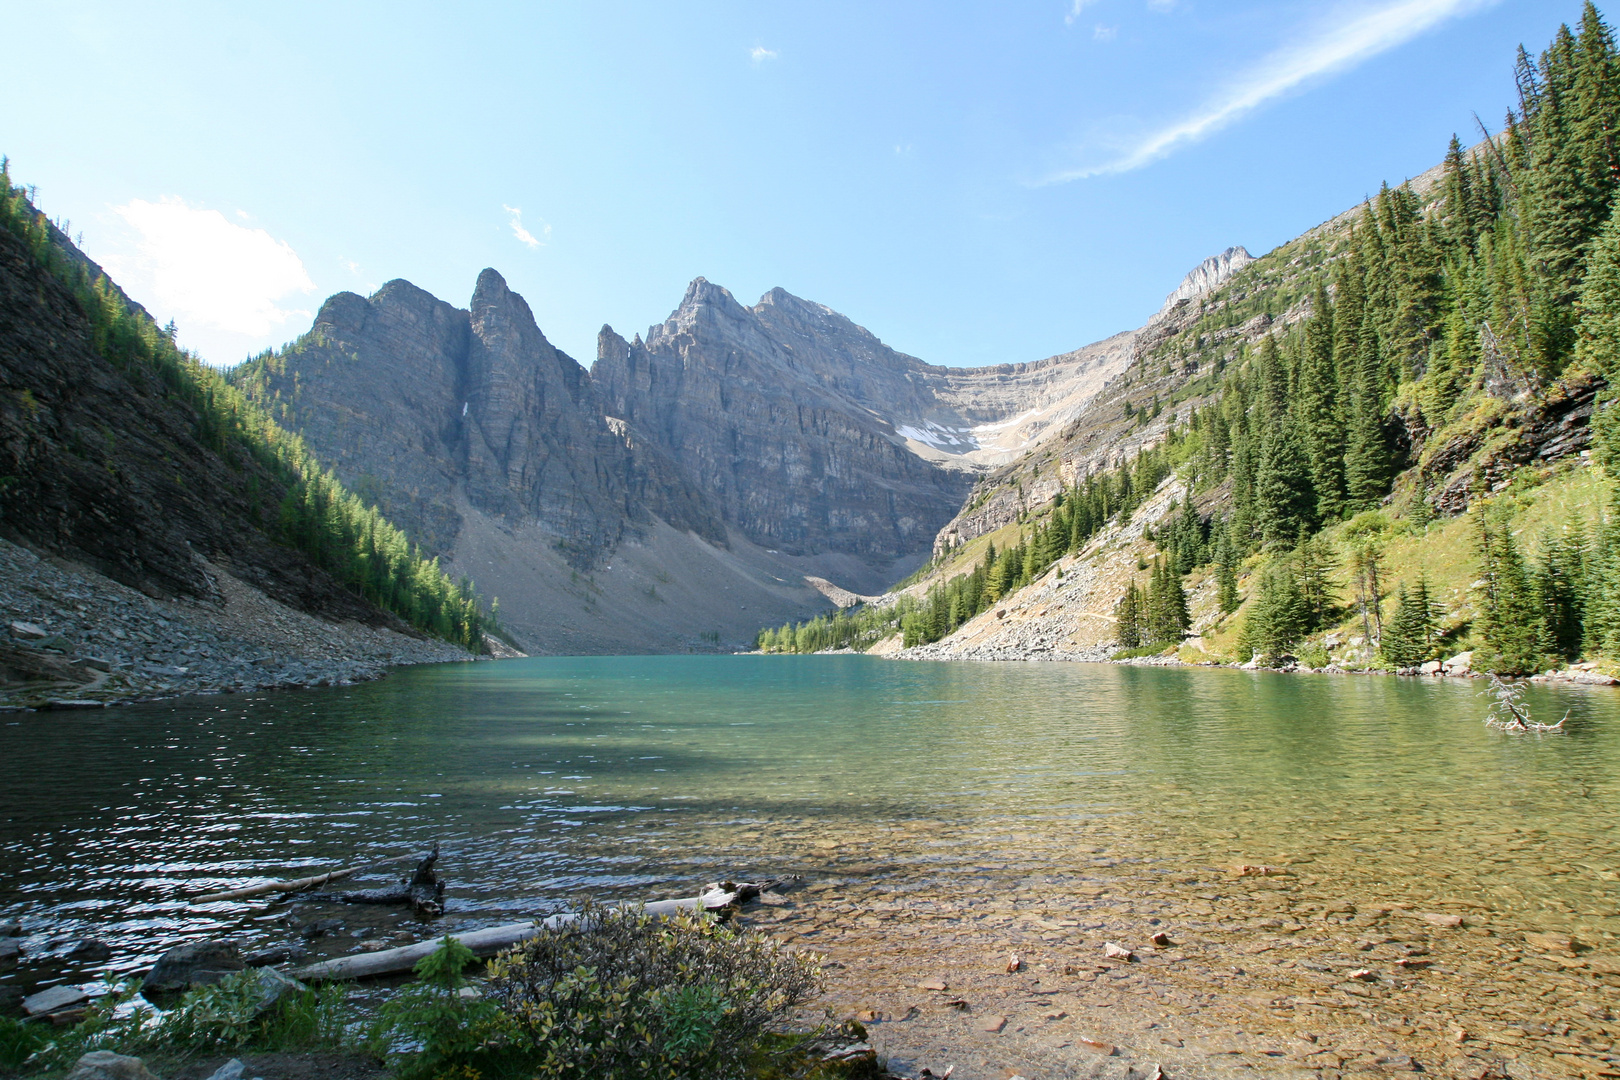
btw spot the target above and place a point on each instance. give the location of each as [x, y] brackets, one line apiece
[1561, 589]
[1321, 417]
[1128, 617]
[1226, 574]
[1366, 465]
[1509, 622]
[1276, 619]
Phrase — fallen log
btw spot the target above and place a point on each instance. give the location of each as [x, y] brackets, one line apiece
[720, 899]
[266, 887]
[423, 890]
[314, 881]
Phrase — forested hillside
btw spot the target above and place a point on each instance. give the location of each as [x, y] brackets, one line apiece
[1436, 352]
[123, 451]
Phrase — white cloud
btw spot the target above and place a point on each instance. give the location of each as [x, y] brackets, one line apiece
[203, 270]
[1104, 33]
[524, 235]
[759, 54]
[1075, 9]
[1359, 35]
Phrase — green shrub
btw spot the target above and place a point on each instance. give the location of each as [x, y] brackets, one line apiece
[617, 995]
[19, 1042]
[441, 1033]
[1314, 656]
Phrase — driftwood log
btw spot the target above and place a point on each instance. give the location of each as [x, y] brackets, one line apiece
[314, 881]
[423, 890]
[267, 887]
[721, 898]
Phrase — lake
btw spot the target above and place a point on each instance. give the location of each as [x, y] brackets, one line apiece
[550, 780]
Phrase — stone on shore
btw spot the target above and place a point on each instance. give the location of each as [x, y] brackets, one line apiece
[106, 1065]
[53, 1000]
[199, 963]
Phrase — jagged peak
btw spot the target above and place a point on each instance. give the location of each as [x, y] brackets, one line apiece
[1207, 275]
[704, 291]
[490, 286]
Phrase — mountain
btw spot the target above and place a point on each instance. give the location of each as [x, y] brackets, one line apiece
[1389, 442]
[1205, 276]
[735, 466]
[418, 404]
[495, 452]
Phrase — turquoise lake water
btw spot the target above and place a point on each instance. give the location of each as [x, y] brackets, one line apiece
[550, 779]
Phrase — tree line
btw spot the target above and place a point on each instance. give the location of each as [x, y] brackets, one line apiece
[317, 516]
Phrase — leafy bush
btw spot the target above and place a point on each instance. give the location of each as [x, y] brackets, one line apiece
[232, 1014]
[1314, 656]
[618, 995]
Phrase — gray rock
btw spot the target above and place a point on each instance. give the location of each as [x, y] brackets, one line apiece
[55, 999]
[276, 954]
[91, 950]
[10, 928]
[106, 1065]
[272, 987]
[10, 950]
[200, 963]
[231, 1070]
[28, 630]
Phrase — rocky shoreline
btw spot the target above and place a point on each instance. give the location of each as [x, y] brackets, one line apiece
[1459, 666]
[73, 638]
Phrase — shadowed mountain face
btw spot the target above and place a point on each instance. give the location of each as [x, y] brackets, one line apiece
[417, 404]
[778, 412]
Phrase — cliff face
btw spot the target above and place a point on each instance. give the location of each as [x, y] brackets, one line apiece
[766, 410]
[416, 403]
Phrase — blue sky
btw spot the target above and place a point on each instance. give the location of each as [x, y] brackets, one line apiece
[975, 183]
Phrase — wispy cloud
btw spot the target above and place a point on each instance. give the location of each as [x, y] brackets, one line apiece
[1361, 32]
[204, 270]
[523, 235]
[1076, 9]
[759, 54]
[1104, 33]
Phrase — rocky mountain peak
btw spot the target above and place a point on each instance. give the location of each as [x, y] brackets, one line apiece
[1207, 275]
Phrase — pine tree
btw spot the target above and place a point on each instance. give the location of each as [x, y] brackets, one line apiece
[1406, 636]
[1128, 617]
[1601, 626]
[1226, 574]
[1321, 417]
[1166, 606]
[1366, 465]
[1561, 591]
[1276, 619]
[1509, 623]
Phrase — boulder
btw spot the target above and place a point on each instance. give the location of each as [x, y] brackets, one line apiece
[1461, 664]
[199, 963]
[54, 999]
[272, 987]
[106, 1065]
[91, 951]
[1432, 667]
[10, 928]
